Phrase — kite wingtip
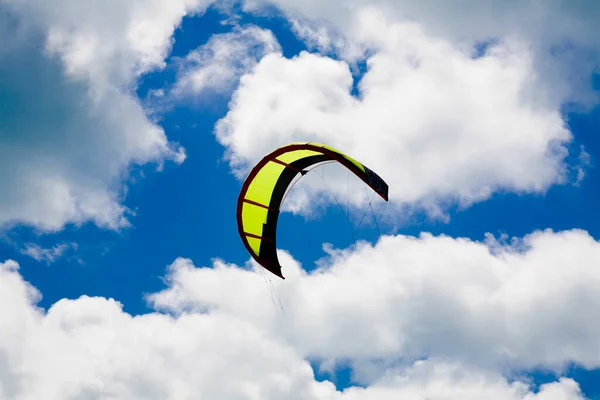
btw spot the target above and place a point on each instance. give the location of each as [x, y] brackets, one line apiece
[279, 274]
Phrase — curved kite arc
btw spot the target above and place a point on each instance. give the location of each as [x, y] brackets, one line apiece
[268, 183]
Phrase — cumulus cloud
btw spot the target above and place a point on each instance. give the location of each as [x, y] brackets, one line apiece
[88, 347]
[108, 42]
[427, 380]
[218, 64]
[563, 36]
[65, 153]
[72, 126]
[494, 304]
[436, 123]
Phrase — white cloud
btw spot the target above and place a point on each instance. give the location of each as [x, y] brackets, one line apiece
[584, 163]
[65, 153]
[73, 126]
[325, 38]
[108, 42]
[564, 37]
[48, 255]
[434, 122]
[89, 347]
[489, 304]
[428, 380]
[219, 63]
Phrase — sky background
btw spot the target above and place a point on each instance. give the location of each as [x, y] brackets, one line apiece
[127, 128]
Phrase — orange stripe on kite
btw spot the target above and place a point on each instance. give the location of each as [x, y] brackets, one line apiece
[251, 235]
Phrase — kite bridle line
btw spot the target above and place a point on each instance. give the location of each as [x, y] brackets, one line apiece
[272, 291]
[369, 197]
[340, 205]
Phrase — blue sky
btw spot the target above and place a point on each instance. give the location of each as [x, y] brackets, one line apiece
[480, 157]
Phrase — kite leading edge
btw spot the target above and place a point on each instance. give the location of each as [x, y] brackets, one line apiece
[268, 183]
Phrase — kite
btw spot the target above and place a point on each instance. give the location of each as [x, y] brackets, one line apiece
[267, 185]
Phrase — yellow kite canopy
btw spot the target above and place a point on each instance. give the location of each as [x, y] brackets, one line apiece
[268, 183]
